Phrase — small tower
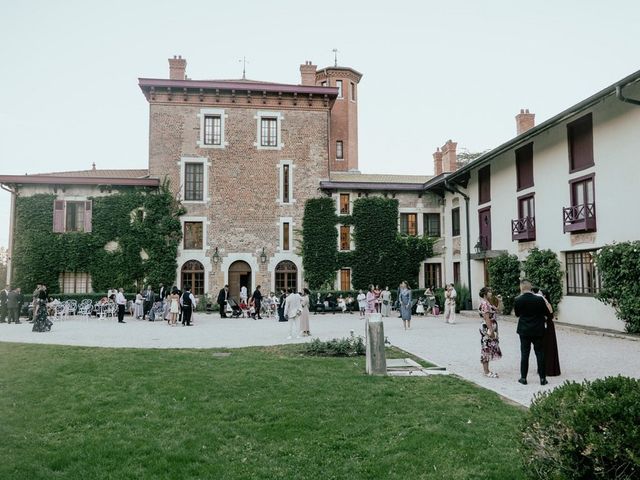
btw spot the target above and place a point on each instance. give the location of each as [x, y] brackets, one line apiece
[343, 145]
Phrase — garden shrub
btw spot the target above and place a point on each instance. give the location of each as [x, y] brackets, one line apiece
[337, 347]
[588, 430]
[504, 279]
[463, 296]
[543, 269]
[619, 267]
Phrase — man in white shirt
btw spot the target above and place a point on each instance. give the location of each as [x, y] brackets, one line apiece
[292, 310]
[121, 302]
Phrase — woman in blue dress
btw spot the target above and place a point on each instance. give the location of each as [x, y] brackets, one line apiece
[405, 300]
[41, 322]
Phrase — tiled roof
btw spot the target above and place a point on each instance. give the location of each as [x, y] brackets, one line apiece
[120, 173]
[354, 177]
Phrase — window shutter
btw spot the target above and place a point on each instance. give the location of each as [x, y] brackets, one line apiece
[87, 216]
[58, 216]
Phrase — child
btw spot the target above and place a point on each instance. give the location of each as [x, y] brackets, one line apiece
[342, 304]
[362, 302]
[244, 307]
[420, 307]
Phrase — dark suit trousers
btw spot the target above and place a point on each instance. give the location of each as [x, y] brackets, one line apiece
[223, 311]
[525, 349]
[120, 313]
[13, 314]
[3, 313]
[186, 315]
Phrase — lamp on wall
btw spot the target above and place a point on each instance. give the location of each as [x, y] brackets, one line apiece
[216, 256]
[478, 247]
[263, 256]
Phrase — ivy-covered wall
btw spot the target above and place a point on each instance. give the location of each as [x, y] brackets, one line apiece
[381, 255]
[40, 255]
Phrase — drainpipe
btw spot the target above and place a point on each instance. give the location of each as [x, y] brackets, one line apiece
[622, 98]
[12, 220]
[453, 189]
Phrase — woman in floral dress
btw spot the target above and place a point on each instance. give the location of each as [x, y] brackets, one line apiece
[489, 340]
[41, 322]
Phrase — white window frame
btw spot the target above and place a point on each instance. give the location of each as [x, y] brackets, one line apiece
[338, 203]
[205, 187]
[281, 223]
[352, 92]
[340, 89]
[260, 114]
[340, 159]
[205, 112]
[205, 225]
[281, 182]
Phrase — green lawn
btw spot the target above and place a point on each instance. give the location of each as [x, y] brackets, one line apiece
[261, 413]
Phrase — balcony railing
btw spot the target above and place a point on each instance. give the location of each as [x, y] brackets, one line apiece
[523, 229]
[580, 218]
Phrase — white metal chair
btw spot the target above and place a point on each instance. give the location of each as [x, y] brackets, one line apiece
[72, 307]
[85, 309]
[60, 311]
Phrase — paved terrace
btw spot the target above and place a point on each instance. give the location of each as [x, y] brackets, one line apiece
[582, 354]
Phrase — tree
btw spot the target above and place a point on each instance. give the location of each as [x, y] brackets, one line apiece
[542, 268]
[504, 279]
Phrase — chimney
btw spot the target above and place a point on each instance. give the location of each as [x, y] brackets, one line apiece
[449, 157]
[308, 73]
[437, 162]
[177, 67]
[525, 121]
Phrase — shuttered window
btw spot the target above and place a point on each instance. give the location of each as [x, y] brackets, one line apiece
[72, 216]
[524, 166]
[345, 237]
[580, 137]
[484, 185]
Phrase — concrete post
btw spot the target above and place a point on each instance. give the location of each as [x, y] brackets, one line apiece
[376, 361]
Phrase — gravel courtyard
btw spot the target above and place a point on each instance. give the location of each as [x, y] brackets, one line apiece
[582, 354]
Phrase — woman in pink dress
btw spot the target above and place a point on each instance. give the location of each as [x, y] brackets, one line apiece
[371, 300]
[377, 292]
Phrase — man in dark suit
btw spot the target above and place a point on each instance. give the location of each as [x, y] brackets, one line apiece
[223, 294]
[531, 311]
[3, 304]
[12, 306]
[163, 292]
[257, 301]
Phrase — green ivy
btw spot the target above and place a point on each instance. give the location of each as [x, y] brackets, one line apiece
[41, 255]
[504, 279]
[542, 268]
[619, 267]
[381, 256]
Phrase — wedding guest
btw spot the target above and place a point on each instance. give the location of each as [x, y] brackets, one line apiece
[551, 358]
[256, 301]
[4, 310]
[293, 309]
[121, 302]
[378, 303]
[532, 312]
[243, 294]
[20, 303]
[371, 299]
[489, 340]
[281, 305]
[138, 306]
[342, 304]
[12, 306]
[41, 322]
[385, 295]
[223, 295]
[174, 307]
[405, 304]
[148, 300]
[362, 302]
[450, 295]
[430, 301]
[188, 304]
[304, 316]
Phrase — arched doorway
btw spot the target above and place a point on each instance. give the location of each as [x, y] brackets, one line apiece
[286, 275]
[239, 276]
[192, 274]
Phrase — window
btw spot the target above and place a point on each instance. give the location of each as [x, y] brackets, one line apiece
[286, 276]
[345, 237]
[580, 137]
[455, 221]
[432, 224]
[583, 277]
[353, 92]
[72, 216]
[75, 282]
[456, 272]
[433, 275]
[345, 279]
[526, 207]
[409, 224]
[192, 275]
[194, 182]
[323, 84]
[344, 204]
[523, 228]
[339, 151]
[286, 183]
[285, 236]
[581, 215]
[193, 239]
[212, 130]
[484, 185]
[269, 132]
[339, 85]
[524, 167]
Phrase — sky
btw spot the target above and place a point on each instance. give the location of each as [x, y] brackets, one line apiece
[433, 71]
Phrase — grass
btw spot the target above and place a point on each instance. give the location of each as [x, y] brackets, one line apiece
[260, 413]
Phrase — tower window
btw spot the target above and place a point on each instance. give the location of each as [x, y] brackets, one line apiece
[339, 85]
[353, 91]
[339, 150]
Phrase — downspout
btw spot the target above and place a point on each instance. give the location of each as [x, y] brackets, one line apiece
[453, 189]
[622, 98]
[12, 220]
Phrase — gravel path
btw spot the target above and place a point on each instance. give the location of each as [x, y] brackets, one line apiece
[582, 355]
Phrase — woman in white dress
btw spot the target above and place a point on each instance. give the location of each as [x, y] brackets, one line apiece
[386, 302]
[362, 302]
[174, 309]
[450, 295]
[138, 306]
[243, 294]
[304, 316]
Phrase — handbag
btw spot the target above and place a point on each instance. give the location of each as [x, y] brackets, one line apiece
[385, 302]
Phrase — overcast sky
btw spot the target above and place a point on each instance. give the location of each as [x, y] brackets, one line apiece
[458, 69]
